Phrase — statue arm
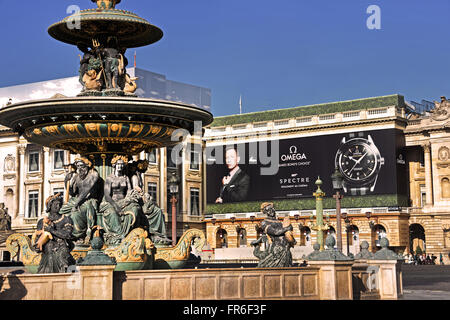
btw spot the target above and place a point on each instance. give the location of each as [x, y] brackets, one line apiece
[274, 231]
[64, 233]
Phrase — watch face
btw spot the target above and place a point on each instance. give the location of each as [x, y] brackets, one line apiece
[358, 160]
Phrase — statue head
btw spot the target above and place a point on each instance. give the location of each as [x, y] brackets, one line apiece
[54, 204]
[142, 165]
[119, 163]
[268, 209]
[106, 4]
[83, 165]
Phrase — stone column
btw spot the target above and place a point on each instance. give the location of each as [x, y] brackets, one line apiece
[428, 174]
[163, 182]
[46, 169]
[97, 282]
[388, 278]
[335, 274]
[21, 196]
[388, 268]
[18, 166]
[335, 279]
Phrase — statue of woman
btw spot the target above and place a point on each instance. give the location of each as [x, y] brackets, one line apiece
[155, 221]
[278, 253]
[120, 209]
[55, 232]
[137, 169]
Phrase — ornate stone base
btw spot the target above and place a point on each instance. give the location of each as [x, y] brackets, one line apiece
[135, 252]
[177, 257]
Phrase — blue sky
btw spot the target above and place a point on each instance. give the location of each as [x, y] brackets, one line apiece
[276, 54]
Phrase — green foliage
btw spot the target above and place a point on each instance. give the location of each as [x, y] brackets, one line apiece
[303, 111]
[392, 200]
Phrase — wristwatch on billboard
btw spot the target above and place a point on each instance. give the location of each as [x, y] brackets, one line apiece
[359, 161]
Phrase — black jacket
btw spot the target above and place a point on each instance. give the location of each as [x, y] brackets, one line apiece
[237, 189]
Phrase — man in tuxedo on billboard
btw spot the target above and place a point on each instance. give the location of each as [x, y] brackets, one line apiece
[235, 185]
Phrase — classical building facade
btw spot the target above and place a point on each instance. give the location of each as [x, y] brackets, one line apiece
[418, 215]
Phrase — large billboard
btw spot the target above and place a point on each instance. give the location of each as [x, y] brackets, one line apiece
[372, 163]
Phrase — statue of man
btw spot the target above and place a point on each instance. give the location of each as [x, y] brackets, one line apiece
[114, 63]
[54, 232]
[82, 207]
[279, 236]
[85, 62]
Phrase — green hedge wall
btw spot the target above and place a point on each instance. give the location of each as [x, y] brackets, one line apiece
[310, 204]
[303, 111]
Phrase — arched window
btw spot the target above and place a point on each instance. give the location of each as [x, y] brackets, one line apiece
[242, 237]
[445, 188]
[379, 232]
[305, 236]
[221, 238]
[416, 237]
[353, 235]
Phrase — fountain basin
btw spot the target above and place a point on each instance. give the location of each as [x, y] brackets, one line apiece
[88, 125]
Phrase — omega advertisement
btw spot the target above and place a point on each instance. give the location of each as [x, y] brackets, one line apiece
[371, 162]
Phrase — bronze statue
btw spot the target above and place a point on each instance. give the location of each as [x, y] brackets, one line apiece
[82, 207]
[136, 170]
[55, 233]
[155, 221]
[5, 218]
[120, 209]
[278, 238]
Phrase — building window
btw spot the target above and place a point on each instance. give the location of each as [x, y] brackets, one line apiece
[195, 160]
[423, 196]
[195, 202]
[33, 197]
[33, 161]
[151, 156]
[170, 162]
[58, 159]
[152, 190]
[59, 190]
[445, 186]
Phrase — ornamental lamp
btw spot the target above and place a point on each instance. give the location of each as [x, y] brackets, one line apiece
[338, 180]
[173, 184]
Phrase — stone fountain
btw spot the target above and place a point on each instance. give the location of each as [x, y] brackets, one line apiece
[105, 124]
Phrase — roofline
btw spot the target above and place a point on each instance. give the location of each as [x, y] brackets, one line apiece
[308, 110]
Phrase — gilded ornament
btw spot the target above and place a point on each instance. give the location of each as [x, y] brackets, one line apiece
[69, 128]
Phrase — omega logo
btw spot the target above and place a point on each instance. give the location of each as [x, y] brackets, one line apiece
[293, 155]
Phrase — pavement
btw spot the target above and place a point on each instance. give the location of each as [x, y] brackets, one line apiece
[426, 282]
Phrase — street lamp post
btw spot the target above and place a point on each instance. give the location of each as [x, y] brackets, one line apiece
[319, 225]
[348, 223]
[337, 178]
[173, 188]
